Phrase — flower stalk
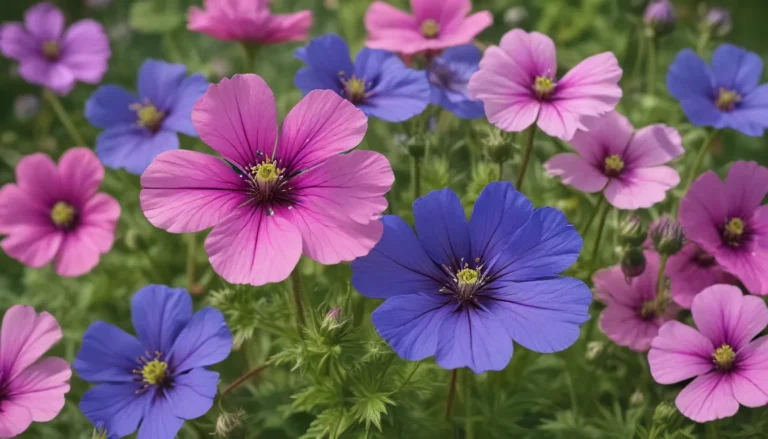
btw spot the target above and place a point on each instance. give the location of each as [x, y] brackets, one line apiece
[64, 118]
[526, 157]
[451, 396]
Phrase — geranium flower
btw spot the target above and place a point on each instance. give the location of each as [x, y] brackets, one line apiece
[691, 271]
[159, 379]
[461, 290]
[52, 56]
[55, 214]
[377, 82]
[728, 221]
[625, 163]
[139, 127]
[434, 25]
[729, 367]
[517, 83]
[31, 389]
[275, 196]
[449, 75]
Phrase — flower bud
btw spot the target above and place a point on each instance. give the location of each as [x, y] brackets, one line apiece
[637, 399]
[498, 143]
[715, 20]
[417, 146]
[594, 349]
[333, 319]
[515, 16]
[632, 262]
[633, 232]
[99, 433]
[667, 237]
[664, 413]
[660, 17]
[228, 422]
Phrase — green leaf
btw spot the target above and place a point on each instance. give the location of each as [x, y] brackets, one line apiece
[151, 17]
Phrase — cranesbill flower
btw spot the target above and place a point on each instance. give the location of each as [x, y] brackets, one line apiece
[140, 126]
[434, 25]
[31, 389]
[725, 95]
[52, 56]
[517, 83]
[691, 271]
[248, 21]
[625, 163]
[729, 367]
[273, 197]
[377, 82]
[728, 221]
[157, 378]
[461, 290]
[449, 75]
[55, 214]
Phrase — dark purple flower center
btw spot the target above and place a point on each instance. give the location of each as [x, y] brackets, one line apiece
[354, 88]
[724, 357]
[63, 215]
[465, 281]
[703, 259]
[268, 184]
[430, 28]
[148, 116]
[152, 371]
[650, 309]
[544, 87]
[735, 232]
[613, 165]
[51, 50]
[727, 100]
[440, 75]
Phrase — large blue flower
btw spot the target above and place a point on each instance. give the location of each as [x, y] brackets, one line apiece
[378, 82]
[726, 95]
[139, 127]
[461, 290]
[160, 379]
[449, 75]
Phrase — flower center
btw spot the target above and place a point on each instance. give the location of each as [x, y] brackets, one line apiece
[544, 87]
[734, 232]
[613, 165]
[268, 183]
[51, 50]
[723, 357]
[354, 87]
[465, 281]
[467, 276]
[703, 259]
[649, 309]
[727, 99]
[63, 214]
[266, 171]
[154, 372]
[430, 28]
[149, 116]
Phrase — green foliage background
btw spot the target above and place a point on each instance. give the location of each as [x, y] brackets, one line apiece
[342, 381]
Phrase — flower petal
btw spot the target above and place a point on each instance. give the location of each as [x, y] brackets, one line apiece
[750, 379]
[204, 341]
[689, 77]
[707, 398]
[736, 69]
[38, 176]
[188, 92]
[33, 245]
[688, 276]
[41, 388]
[623, 325]
[725, 316]
[532, 52]
[326, 57]
[702, 209]
[159, 314]
[641, 188]
[18, 209]
[605, 135]
[16, 43]
[82, 172]
[500, 212]
[610, 283]
[109, 106]
[85, 51]
[132, 147]
[746, 186]
[160, 422]
[108, 353]
[24, 338]
[44, 21]
[55, 76]
[442, 227]
[472, 337]
[14, 419]
[400, 94]
[159, 81]
[117, 407]
[78, 254]
[192, 393]
[679, 353]
[653, 145]
[577, 172]
[386, 25]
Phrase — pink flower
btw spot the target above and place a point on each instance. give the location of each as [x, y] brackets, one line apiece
[248, 21]
[517, 84]
[275, 196]
[435, 25]
[728, 221]
[31, 389]
[625, 163]
[633, 315]
[692, 270]
[730, 368]
[55, 214]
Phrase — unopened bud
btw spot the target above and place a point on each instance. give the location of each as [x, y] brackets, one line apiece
[333, 319]
[715, 20]
[499, 144]
[99, 433]
[660, 17]
[515, 16]
[667, 237]
[594, 349]
[664, 413]
[417, 146]
[632, 262]
[633, 232]
[637, 399]
[228, 422]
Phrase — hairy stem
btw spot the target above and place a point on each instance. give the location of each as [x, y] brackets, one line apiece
[243, 379]
[660, 281]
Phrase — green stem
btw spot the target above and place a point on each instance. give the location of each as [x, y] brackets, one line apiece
[640, 55]
[469, 432]
[416, 177]
[526, 157]
[699, 160]
[501, 170]
[701, 43]
[591, 219]
[250, 52]
[660, 280]
[298, 292]
[451, 395]
[651, 65]
[242, 379]
[191, 247]
[407, 379]
[64, 118]
[174, 53]
[600, 227]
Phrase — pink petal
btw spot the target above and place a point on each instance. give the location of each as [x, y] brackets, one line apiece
[606, 135]
[44, 21]
[575, 171]
[14, 419]
[591, 88]
[750, 378]
[82, 172]
[38, 176]
[678, 353]
[24, 338]
[725, 316]
[17, 208]
[187, 191]
[463, 30]
[707, 398]
[653, 145]
[557, 121]
[688, 278]
[534, 53]
[55, 76]
[16, 43]
[85, 51]
[746, 186]
[624, 327]
[641, 188]
[287, 27]
[41, 388]
[702, 209]
[444, 11]
[33, 245]
[610, 282]
[748, 266]
[387, 26]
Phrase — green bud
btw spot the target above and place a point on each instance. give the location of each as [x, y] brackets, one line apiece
[632, 262]
[667, 237]
[333, 319]
[417, 146]
[594, 349]
[99, 433]
[664, 413]
[226, 423]
[499, 144]
[633, 232]
[637, 399]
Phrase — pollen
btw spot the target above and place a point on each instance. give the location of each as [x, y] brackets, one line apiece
[613, 165]
[149, 116]
[727, 99]
[468, 276]
[51, 50]
[354, 87]
[734, 231]
[544, 87]
[266, 171]
[430, 28]
[63, 214]
[153, 372]
[649, 310]
[723, 357]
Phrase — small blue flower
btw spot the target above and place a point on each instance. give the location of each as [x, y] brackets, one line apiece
[461, 290]
[159, 379]
[138, 128]
[449, 75]
[378, 82]
[726, 95]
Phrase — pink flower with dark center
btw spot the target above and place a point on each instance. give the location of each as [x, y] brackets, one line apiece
[518, 84]
[729, 367]
[52, 56]
[31, 389]
[435, 25]
[625, 163]
[727, 219]
[248, 21]
[274, 196]
[55, 214]
[691, 271]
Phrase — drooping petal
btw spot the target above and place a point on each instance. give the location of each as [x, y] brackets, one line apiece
[689, 77]
[117, 407]
[736, 69]
[442, 227]
[132, 147]
[159, 314]
[192, 393]
[326, 57]
[577, 172]
[24, 338]
[179, 117]
[108, 354]
[679, 353]
[499, 213]
[44, 21]
[41, 388]
[204, 341]
[160, 422]
[746, 186]
[159, 81]
[82, 172]
[641, 188]
[109, 106]
[653, 145]
[750, 379]
[472, 337]
[707, 398]
[725, 316]
[400, 94]
[85, 51]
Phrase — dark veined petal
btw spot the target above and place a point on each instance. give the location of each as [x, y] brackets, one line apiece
[442, 227]
[206, 340]
[473, 337]
[117, 407]
[107, 354]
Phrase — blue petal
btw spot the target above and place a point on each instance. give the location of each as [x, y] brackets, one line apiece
[110, 105]
[132, 147]
[473, 337]
[702, 112]
[160, 422]
[107, 354]
[500, 212]
[193, 392]
[736, 69]
[690, 77]
[543, 316]
[116, 407]
[396, 265]
[159, 82]
[326, 57]
[753, 111]
[467, 54]
[442, 227]
[159, 314]
[206, 340]
[749, 123]
[370, 62]
[449, 75]
[399, 94]
[460, 105]
[179, 116]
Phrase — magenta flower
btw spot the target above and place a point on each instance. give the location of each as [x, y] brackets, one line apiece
[52, 56]
[728, 221]
[435, 25]
[625, 163]
[518, 86]
[728, 366]
[634, 314]
[274, 196]
[248, 21]
[55, 214]
[692, 270]
[31, 389]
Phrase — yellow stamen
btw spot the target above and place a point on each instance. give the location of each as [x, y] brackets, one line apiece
[734, 230]
[613, 165]
[266, 171]
[51, 50]
[354, 88]
[63, 214]
[544, 87]
[723, 357]
[154, 372]
[149, 116]
[430, 28]
[467, 276]
[727, 99]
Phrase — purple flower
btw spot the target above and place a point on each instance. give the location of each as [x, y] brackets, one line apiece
[660, 16]
[449, 75]
[461, 290]
[726, 95]
[716, 20]
[54, 57]
[377, 82]
[159, 379]
[139, 127]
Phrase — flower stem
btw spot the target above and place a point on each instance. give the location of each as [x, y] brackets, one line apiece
[640, 55]
[191, 247]
[64, 118]
[501, 170]
[469, 432]
[451, 395]
[407, 379]
[599, 237]
[699, 160]
[591, 219]
[297, 290]
[660, 280]
[416, 177]
[651, 65]
[243, 379]
[250, 52]
[526, 157]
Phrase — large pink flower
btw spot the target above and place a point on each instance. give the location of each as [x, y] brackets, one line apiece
[55, 214]
[627, 164]
[248, 21]
[31, 389]
[518, 86]
[278, 195]
[435, 25]
[728, 366]
[728, 221]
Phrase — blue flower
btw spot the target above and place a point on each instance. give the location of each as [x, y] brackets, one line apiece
[159, 379]
[461, 290]
[449, 75]
[378, 82]
[138, 128]
[726, 95]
